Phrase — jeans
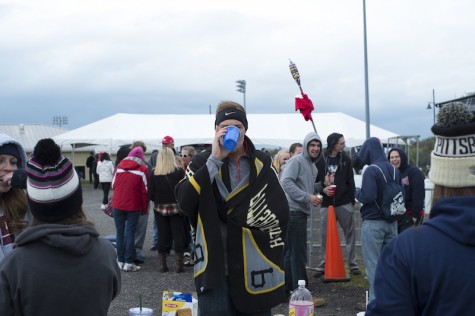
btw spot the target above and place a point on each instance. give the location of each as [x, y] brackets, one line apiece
[125, 225]
[141, 231]
[217, 302]
[375, 234]
[345, 216]
[295, 259]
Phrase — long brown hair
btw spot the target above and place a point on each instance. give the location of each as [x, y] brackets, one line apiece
[15, 206]
[441, 192]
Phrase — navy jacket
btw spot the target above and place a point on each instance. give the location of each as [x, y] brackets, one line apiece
[372, 184]
[414, 188]
[429, 269]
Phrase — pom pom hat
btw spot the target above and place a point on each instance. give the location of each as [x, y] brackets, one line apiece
[453, 157]
[53, 186]
[137, 152]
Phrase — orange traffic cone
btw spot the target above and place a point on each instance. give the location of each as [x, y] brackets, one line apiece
[334, 266]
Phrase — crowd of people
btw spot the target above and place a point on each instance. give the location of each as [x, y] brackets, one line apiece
[242, 216]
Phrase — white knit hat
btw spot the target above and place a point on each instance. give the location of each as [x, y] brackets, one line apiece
[453, 157]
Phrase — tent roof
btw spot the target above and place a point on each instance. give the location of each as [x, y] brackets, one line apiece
[277, 130]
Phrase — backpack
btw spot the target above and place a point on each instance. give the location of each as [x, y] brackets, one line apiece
[392, 203]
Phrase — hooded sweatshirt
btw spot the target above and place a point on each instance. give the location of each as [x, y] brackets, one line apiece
[372, 183]
[413, 182]
[18, 181]
[429, 270]
[59, 270]
[298, 178]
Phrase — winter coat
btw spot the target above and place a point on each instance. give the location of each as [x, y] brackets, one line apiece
[162, 187]
[105, 170]
[59, 270]
[130, 185]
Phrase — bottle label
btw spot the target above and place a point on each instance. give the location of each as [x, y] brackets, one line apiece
[301, 308]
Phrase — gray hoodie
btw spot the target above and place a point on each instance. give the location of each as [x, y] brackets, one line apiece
[299, 176]
[59, 270]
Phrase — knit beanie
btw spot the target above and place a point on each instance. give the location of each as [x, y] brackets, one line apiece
[453, 157]
[54, 190]
[137, 152]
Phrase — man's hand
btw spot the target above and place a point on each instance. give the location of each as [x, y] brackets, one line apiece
[315, 200]
[217, 149]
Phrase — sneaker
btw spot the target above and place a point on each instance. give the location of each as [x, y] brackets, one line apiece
[103, 207]
[355, 271]
[318, 273]
[153, 247]
[130, 267]
[121, 265]
[318, 301]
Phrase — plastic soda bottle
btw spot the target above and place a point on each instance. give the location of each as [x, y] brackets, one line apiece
[301, 301]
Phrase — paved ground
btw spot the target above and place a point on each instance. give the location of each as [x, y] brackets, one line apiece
[341, 297]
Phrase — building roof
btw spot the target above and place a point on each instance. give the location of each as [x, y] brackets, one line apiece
[29, 134]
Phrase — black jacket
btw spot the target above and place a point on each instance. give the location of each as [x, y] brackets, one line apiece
[344, 181]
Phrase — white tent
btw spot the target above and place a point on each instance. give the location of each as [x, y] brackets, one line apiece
[276, 130]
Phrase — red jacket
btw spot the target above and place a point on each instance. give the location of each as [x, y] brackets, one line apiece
[130, 185]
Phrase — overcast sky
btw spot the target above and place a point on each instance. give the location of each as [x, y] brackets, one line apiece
[90, 59]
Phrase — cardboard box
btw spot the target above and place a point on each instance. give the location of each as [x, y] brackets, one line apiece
[179, 304]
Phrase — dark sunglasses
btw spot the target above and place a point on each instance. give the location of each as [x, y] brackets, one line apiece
[185, 156]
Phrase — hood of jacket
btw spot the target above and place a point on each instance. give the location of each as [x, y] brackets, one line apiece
[404, 165]
[130, 163]
[455, 218]
[311, 136]
[5, 139]
[371, 152]
[75, 239]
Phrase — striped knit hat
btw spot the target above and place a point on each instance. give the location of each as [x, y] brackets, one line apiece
[54, 190]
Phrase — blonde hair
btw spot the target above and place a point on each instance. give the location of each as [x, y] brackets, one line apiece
[276, 160]
[166, 163]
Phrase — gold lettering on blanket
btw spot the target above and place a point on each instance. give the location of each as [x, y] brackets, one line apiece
[262, 217]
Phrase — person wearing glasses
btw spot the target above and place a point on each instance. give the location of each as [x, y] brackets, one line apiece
[186, 155]
[335, 169]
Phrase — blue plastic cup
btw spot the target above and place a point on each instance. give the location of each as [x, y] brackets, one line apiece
[231, 137]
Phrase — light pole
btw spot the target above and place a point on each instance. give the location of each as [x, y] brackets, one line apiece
[241, 87]
[366, 72]
[433, 104]
[60, 120]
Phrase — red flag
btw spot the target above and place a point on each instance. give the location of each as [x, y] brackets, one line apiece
[305, 105]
